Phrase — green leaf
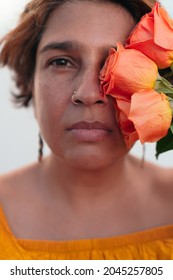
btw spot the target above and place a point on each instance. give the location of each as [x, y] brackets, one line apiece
[165, 144]
[171, 103]
[166, 73]
[162, 85]
[171, 128]
[171, 67]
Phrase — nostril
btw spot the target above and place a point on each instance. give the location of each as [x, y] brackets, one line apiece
[78, 101]
[74, 100]
[100, 102]
[79, 98]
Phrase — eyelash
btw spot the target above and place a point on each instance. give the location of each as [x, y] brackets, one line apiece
[61, 63]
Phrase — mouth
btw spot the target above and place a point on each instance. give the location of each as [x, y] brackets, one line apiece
[90, 131]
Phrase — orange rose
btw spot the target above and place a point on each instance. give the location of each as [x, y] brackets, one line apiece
[146, 117]
[127, 71]
[151, 115]
[153, 36]
[122, 108]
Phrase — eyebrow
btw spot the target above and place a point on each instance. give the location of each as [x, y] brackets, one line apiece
[65, 46]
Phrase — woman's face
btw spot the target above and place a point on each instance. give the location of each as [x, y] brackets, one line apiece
[70, 56]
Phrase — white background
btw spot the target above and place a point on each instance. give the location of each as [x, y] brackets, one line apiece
[18, 128]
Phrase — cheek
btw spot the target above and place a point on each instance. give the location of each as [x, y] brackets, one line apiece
[50, 100]
[49, 111]
[51, 107]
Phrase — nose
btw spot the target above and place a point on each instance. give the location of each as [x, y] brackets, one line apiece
[88, 90]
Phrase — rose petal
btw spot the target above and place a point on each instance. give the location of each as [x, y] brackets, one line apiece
[127, 71]
[153, 36]
[151, 114]
[127, 127]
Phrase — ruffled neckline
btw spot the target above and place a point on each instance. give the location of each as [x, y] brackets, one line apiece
[106, 243]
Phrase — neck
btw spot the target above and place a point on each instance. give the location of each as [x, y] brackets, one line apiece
[75, 182]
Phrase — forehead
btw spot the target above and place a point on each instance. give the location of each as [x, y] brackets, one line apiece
[88, 22]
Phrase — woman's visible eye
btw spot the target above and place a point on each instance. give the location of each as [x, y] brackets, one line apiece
[61, 63]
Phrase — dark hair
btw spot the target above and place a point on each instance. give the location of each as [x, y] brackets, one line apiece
[20, 45]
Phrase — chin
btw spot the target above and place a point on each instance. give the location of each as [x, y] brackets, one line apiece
[94, 161]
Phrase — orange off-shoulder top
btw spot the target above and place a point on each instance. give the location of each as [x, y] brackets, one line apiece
[152, 244]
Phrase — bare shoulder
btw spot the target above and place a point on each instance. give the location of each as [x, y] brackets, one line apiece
[163, 179]
[159, 177]
[17, 183]
[155, 189]
[156, 181]
[161, 185]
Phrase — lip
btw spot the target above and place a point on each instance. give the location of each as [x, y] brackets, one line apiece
[90, 131]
